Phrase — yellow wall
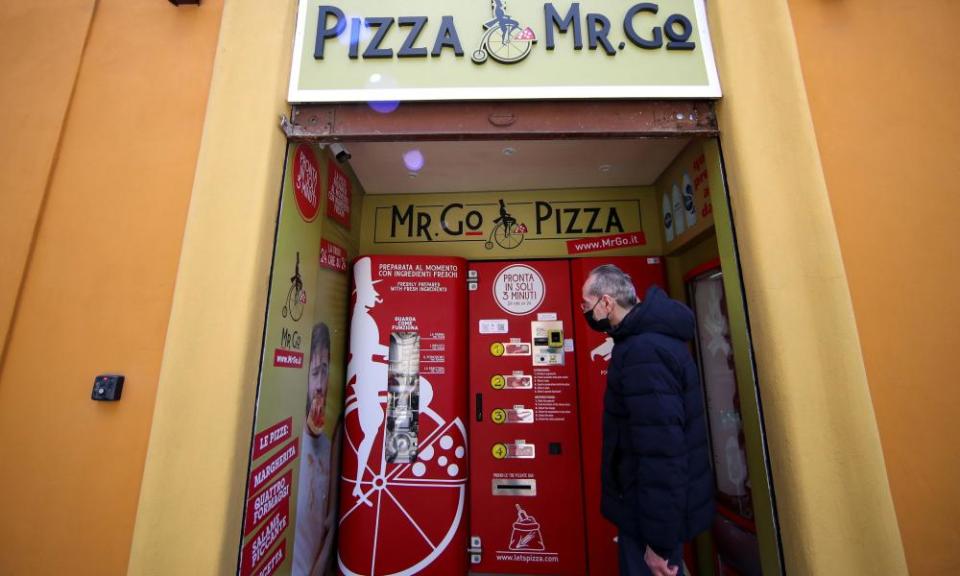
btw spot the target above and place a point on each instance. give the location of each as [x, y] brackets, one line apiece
[834, 505]
[101, 125]
[190, 522]
[882, 83]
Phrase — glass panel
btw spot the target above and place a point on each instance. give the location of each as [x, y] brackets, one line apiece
[403, 385]
[720, 387]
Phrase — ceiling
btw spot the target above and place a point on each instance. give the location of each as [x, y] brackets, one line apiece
[475, 166]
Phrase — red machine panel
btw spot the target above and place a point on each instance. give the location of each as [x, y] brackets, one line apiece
[404, 469]
[593, 355]
[526, 491]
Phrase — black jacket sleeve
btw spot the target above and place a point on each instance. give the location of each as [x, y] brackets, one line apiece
[653, 394]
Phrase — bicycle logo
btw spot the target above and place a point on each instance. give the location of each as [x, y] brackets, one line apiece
[296, 296]
[508, 233]
[503, 38]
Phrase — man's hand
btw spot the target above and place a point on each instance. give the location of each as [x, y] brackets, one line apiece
[658, 565]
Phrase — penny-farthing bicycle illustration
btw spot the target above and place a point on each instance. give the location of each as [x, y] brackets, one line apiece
[296, 296]
[504, 39]
[508, 233]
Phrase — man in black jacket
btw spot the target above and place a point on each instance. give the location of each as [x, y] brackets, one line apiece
[656, 477]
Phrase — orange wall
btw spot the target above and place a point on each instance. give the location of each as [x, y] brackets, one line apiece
[101, 128]
[882, 80]
[40, 48]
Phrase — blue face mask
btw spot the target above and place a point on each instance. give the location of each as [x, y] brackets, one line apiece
[602, 325]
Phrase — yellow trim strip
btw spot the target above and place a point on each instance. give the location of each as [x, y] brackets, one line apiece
[190, 512]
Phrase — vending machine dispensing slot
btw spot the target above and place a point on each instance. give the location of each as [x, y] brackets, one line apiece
[508, 487]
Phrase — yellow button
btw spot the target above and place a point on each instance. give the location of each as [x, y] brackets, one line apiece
[499, 451]
[497, 349]
[499, 416]
[498, 382]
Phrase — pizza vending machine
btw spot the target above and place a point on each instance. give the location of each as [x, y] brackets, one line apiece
[526, 492]
[404, 471]
[593, 356]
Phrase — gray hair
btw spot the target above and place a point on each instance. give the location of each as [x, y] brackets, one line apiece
[614, 282]
[319, 338]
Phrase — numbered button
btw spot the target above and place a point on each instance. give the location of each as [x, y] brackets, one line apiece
[499, 451]
[497, 349]
[499, 416]
[498, 382]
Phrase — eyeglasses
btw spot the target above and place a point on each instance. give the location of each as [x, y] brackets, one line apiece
[586, 307]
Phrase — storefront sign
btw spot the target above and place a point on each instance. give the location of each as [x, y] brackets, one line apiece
[528, 224]
[392, 50]
[551, 220]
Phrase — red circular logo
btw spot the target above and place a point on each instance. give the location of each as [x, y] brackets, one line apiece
[306, 182]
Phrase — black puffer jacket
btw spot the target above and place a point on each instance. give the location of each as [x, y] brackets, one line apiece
[657, 481]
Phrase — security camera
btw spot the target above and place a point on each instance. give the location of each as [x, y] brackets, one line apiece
[340, 153]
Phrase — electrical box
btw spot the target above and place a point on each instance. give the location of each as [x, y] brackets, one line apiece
[107, 387]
